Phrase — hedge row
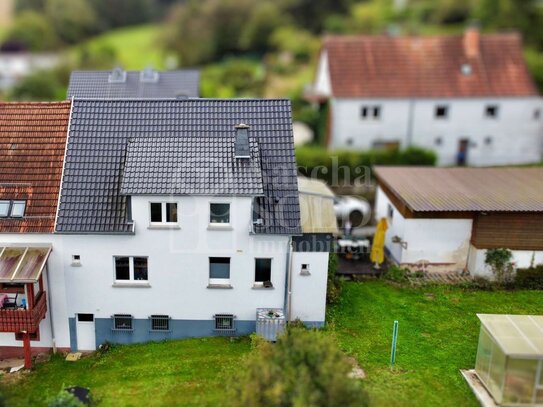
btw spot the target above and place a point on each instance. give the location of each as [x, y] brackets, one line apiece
[530, 278]
[345, 166]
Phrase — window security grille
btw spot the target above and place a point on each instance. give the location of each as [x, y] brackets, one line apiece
[122, 322]
[224, 323]
[160, 323]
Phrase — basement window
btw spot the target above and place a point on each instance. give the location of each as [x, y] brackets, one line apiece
[122, 322]
[160, 323]
[224, 323]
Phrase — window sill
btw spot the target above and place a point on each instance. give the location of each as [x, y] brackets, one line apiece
[220, 286]
[220, 226]
[158, 331]
[164, 226]
[132, 285]
[123, 330]
[75, 264]
[261, 287]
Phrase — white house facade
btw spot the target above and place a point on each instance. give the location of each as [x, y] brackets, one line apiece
[446, 219]
[470, 99]
[175, 218]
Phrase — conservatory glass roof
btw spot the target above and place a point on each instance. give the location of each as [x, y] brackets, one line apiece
[22, 264]
[517, 335]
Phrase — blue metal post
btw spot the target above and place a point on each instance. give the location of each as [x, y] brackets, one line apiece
[394, 340]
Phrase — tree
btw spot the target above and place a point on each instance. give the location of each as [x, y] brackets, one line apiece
[73, 19]
[33, 31]
[499, 261]
[304, 368]
[39, 86]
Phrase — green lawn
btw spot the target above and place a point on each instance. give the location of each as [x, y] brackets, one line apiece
[438, 332]
[190, 372]
[135, 47]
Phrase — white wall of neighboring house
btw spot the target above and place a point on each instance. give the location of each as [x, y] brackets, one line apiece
[515, 136]
[15, 66]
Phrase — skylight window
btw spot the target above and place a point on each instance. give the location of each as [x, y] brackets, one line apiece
[466, 69]
[12, 209]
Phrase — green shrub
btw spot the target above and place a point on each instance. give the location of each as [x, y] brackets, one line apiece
[499, 260]
[335, 283]
[303, 368]
[396, 273]
[65, 399]
[530, 278]
[342, 167]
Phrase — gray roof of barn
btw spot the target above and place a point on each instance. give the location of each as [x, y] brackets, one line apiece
[100, 130]
[191, 164]
[168, 84]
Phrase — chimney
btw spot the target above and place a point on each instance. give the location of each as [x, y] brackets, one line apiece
[242, 141]
[472, 41]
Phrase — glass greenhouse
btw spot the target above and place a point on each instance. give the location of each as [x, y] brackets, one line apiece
[510, 358]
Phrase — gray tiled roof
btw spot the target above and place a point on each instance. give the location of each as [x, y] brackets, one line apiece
[91, 199]
[170, 84]
[198, 165]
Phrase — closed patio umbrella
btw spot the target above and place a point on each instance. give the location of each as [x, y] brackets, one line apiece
[377, 254]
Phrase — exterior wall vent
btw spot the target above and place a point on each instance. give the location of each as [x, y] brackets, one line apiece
[118, 75]
[242, 149]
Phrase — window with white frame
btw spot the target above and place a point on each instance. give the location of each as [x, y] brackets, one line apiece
[219, 213]
[441, 112]
[160, 323]
[372, 112]
[131, 269]
[219, 270]
[491, 111]
[122, 322]
[12, 208]
[163, 212]
[263, 273]
[224, 322]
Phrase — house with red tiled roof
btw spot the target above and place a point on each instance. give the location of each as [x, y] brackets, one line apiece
[469, 97]
[33, 137]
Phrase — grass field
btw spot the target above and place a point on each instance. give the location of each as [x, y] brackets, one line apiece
[438, 332]
[135, 47]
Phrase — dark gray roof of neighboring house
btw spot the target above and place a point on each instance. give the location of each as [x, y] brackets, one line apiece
[185, 165]
[91, 199]
[168, 84]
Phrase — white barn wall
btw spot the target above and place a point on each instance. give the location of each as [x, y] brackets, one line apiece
[438, 241]
[521, 258]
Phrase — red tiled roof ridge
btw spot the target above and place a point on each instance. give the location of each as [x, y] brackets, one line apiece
[428, 66]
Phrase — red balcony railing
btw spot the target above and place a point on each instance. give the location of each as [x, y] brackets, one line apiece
[19, 320]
